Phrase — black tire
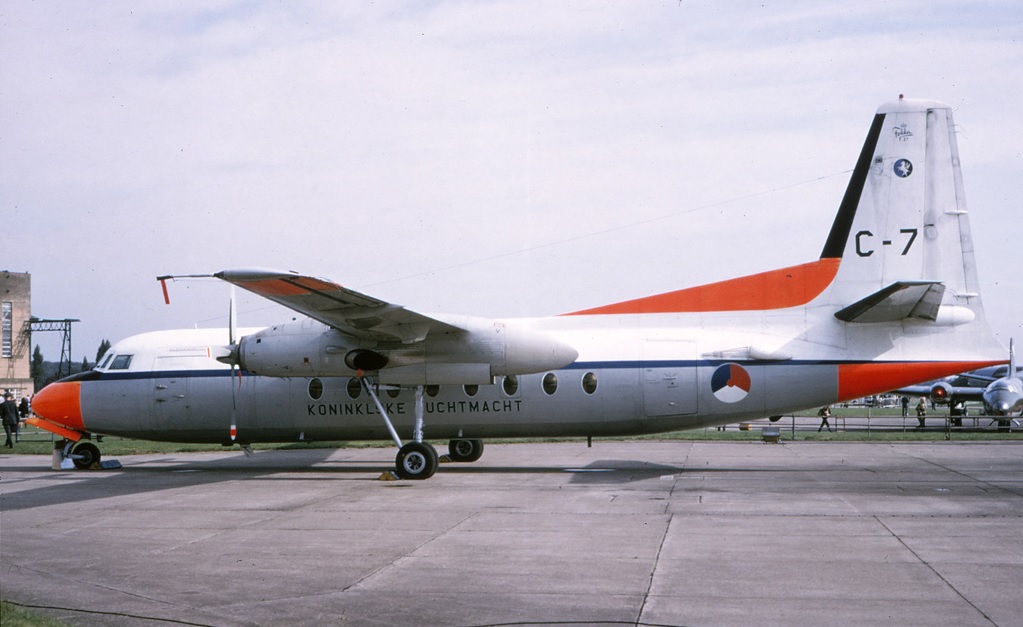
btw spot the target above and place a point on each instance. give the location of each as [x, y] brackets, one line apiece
[85, 455]
[465, 450]
[416, 460]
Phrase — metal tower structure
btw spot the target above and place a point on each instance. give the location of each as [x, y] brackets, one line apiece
[64, 327]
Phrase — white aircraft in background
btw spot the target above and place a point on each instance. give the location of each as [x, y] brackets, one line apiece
[999, 388]
[893, 300]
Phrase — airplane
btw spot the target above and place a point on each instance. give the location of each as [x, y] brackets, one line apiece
[892, 300]
[999, 388]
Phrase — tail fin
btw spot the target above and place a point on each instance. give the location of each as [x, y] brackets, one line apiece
[902, 230]
[900, 247]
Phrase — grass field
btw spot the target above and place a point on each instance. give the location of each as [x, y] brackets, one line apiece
[12, 615]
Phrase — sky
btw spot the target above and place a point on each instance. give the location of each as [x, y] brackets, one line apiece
[518, 158]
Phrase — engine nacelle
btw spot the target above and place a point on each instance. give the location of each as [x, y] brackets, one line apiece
[941, 393]
[480, 351]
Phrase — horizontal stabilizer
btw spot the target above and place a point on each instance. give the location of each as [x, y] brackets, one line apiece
[898, 301]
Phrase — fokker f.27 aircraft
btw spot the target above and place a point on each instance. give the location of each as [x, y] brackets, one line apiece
[893, 300]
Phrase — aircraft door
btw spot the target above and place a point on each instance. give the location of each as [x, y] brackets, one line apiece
[669, 377]
[171, 397]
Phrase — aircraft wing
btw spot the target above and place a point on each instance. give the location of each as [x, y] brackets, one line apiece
[961, 392]
[346, 310]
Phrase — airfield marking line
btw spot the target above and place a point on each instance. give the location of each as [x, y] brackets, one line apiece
[934, 570]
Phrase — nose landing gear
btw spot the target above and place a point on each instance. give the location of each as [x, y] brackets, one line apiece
[84, 455]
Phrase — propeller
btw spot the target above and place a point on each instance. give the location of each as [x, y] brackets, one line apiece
[231, 356]
[232, 341]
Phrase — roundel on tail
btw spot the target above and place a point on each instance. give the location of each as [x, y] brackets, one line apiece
[730, 383]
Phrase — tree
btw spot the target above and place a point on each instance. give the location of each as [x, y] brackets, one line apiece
[104, 346]
[36, 369]
[85, 364]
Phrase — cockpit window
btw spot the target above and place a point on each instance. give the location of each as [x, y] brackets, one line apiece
[121, 362]
[106, 360]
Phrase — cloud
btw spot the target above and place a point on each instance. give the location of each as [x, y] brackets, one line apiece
[493, 158]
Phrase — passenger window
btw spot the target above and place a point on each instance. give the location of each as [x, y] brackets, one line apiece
[315, 389]
[510, 385]
[590, 382]
[432, 390]
[471, 389]
[354, 388]
[121, 362]
[550, 384]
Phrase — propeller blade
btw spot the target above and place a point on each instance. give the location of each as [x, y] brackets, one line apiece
[232, 322]
[234, 401]
[232, 340]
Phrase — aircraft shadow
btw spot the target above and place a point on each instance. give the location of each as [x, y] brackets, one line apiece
[170, 472]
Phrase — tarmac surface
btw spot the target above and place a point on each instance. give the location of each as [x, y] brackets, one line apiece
[634, 533]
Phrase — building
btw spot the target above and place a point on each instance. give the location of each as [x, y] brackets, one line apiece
[15, 349]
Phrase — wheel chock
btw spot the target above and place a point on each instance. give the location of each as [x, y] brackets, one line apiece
[59, 462]
[109, 464]
[444, 459]
[388, 475]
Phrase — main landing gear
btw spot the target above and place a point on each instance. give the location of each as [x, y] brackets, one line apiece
[418, 459]
[465, 450]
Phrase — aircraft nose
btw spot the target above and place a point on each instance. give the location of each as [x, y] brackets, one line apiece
[61, 403]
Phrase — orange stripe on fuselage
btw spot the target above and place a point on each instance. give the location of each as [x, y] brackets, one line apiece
[775, 289]
[859, 380]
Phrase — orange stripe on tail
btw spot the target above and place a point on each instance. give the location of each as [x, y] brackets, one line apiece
[775, 289]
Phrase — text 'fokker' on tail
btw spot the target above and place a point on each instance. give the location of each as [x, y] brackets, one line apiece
[893, 300]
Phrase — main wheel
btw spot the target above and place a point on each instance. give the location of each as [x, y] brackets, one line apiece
[416, 460]
[465, 450]
[85, 455]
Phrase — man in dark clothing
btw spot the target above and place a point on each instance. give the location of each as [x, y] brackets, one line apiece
[9, 414]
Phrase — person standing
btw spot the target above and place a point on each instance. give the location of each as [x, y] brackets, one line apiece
[9, 414]
[824, 413]
[921, 413]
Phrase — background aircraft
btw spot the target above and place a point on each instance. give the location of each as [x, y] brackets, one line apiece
[894, 299]
[999, 388]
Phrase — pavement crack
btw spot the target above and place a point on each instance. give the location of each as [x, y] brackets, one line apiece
[653, 571]
[406, 554]
[935, 571]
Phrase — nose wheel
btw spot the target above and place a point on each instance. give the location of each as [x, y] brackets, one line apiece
[84, 455]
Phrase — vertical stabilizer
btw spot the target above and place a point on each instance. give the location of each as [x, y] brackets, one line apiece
[902, 231]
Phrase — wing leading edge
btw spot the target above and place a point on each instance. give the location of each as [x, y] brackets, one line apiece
[346, 310]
